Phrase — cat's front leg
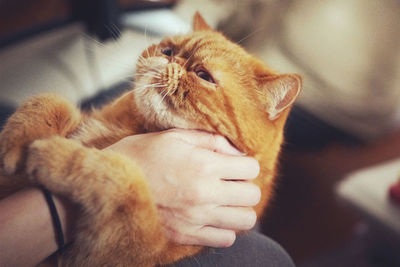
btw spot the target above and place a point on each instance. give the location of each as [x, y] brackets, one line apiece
[39, 117]
[118, 224]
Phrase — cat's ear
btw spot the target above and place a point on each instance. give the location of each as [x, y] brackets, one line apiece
[280, 92]
[199, 24]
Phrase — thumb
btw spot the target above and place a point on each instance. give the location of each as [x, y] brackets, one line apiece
[209, 141]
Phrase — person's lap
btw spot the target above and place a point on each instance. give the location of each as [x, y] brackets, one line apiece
[249, 249]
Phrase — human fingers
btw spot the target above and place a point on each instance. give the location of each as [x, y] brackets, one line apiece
[237, 193]
[208, 141]
[187, 230]
[214, 237]
[215, 192]
[224, 217]
[233, 218]
[233, 167]
[205, 236]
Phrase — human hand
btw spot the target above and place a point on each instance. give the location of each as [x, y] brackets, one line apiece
[200, 183]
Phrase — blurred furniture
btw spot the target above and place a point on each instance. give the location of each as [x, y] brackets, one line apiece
[45, 47]
[348, 54]
[20, 19]
[366, 190]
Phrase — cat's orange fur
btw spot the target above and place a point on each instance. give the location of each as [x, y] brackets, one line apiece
[118, 223]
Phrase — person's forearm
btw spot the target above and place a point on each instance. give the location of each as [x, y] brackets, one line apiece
[26, 231]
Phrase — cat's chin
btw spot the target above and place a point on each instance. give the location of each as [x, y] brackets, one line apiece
[166, 123]
[158, 115]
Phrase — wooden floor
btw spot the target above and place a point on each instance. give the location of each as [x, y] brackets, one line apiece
[305, 217]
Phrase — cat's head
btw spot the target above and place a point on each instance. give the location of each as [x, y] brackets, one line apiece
[204, 81]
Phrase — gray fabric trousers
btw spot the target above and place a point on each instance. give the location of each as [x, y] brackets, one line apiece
[250, 249]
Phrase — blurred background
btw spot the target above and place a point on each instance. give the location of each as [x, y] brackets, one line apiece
[347, 118]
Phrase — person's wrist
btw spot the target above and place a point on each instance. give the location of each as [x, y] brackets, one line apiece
[67, 212]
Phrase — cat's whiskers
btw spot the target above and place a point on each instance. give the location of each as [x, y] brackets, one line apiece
[144, 86]
[142, 63]
[93, 39]
[116, 30]
[153, 77]
[250, 34]
[163, 96]
[149, 73]
[152, 72]
[128, 80]
[124, 67]
[147, 76]
[147, 43]
[141, 59]
[154, 85]
[156, 48]
[115, 34]
[150, 69]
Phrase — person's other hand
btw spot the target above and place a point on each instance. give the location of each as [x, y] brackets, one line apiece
[200, 183]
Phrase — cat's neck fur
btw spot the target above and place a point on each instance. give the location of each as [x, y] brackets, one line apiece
[265, 147]
[117, 120]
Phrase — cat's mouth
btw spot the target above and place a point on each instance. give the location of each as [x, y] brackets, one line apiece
[170, 79]
[159, 75]
[156, 89]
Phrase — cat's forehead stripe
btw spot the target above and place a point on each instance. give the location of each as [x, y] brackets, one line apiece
[210, 43]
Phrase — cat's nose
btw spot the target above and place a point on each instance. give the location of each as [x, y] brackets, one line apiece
[178, 60]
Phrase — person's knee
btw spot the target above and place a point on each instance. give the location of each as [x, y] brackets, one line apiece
[264, 250]
[250, 249]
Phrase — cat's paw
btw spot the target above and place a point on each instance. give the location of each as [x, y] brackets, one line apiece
[11, 153]
[50, 162]
[38, 163]
[46, 162]
[10, 161]
[39, 117]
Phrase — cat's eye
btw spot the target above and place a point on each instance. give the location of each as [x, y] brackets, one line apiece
[168, 51]
[205, 76]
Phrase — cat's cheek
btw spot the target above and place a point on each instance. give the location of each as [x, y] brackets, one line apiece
[159, 116]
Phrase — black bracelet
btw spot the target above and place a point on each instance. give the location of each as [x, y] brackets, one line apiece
[55, 218]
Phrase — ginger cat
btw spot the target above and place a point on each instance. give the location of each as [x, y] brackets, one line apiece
[198, 81]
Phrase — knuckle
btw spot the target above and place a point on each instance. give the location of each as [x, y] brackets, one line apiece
[218, 220]
[175, 233]
[193, 195]
[205, 170]
[200, 194]
[202, 169]
[187, 198]
[190, 216]
[177, 237]
[196, 164]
